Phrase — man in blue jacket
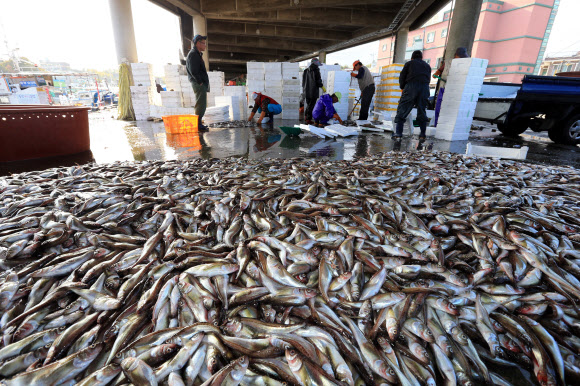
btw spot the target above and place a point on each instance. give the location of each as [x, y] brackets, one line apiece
[324, 110]
[197, 75]
[414, 81]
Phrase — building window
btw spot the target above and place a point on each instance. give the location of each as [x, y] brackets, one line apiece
[444, 33]
[430, 37]
[493, 70]
[384, 47]
[417, 39]
[529, 69]
[439, 60]
[557, 68]
[393, 45]
[544, 71]
[520, 68]
[505, 68]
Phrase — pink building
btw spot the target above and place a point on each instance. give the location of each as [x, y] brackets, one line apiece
[511, 34]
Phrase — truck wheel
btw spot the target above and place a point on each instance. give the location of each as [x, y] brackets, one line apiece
[514, 128]
[571, 133]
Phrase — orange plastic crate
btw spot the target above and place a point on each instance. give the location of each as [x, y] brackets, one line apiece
[179, 124]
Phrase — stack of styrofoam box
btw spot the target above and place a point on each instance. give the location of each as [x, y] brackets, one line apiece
[143, 74]
[142, 98]
[460, 98]
[339, 81]
[240, 92]
[353, 95]
[187, 94]
[388, 90]
[216, 86]
[273, 80]
[290, 91]
[172, 76]
[255, 79]
[324, 70]
[233, 102]
[171, 99]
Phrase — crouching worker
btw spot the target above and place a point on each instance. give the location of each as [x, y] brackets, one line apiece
[324, 110]
[264, 105]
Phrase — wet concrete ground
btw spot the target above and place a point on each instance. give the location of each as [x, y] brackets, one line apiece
[113, 140]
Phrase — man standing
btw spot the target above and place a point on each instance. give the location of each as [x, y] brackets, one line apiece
[366, 84]
[324, 110]
[414, 81]
[197, 75]
[311, 83]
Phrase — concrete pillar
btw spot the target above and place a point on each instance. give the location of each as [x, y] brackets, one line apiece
[322, 57]
[122, 20]
[200, 28]
[186, 29]
[462, 30]
[401, 45]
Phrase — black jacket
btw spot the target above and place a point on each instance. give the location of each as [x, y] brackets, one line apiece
[415, 70]
[311, 81]
[196, 68]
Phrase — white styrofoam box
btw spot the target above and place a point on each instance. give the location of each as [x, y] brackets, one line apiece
[234, 105]
[255, 76]
[291, 76]
[291, 82]
[290, 100]
[451, 136]
[269, 84]
[497, 152]
[463, 65]
[288, 66]
[275, 96]
[292, 88]
[255, 66]
[273, 76]
[339, 76]
[256, 84]
[274, 67]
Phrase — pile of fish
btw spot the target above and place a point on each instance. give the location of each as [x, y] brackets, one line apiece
[232, 124]
[406, 268]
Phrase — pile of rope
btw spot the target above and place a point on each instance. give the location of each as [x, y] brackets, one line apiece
[125, 108]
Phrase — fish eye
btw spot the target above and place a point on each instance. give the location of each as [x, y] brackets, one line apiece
[427, 332]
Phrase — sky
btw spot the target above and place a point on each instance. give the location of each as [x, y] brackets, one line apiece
[80, 32]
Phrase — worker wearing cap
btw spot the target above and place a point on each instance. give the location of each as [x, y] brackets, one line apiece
[324, 110]
[311, 83]
[414, 81]
[264, 105]
[366, 83]
[197, 75]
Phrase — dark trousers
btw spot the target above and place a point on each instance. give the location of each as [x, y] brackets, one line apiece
[414, 94]
[365, 102]
[308, 107]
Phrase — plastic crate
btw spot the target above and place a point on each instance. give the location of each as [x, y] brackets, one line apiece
[179, 124]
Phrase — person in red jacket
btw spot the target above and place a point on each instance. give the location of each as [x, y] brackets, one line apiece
[264, 105]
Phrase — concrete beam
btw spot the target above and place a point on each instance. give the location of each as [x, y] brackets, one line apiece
[311, 16]
[190, 7]
[280, 31]
[253, 50]
[255, 5]
[269, 43]
[322, 57]
[231, 56]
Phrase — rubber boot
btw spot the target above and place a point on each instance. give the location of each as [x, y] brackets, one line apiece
[399, 130]
[423, 127]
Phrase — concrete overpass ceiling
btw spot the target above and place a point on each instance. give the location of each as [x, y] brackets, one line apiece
[281, 30]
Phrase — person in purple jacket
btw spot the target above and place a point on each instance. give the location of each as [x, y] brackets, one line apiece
[324, 110]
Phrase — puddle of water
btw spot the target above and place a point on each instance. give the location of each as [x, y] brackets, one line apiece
[113, 140]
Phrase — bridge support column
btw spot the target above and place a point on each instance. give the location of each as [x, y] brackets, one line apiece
[186, 29]
[200, 28]
[322, 57]
[462, 30]
[122, 20]
[401, 45]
